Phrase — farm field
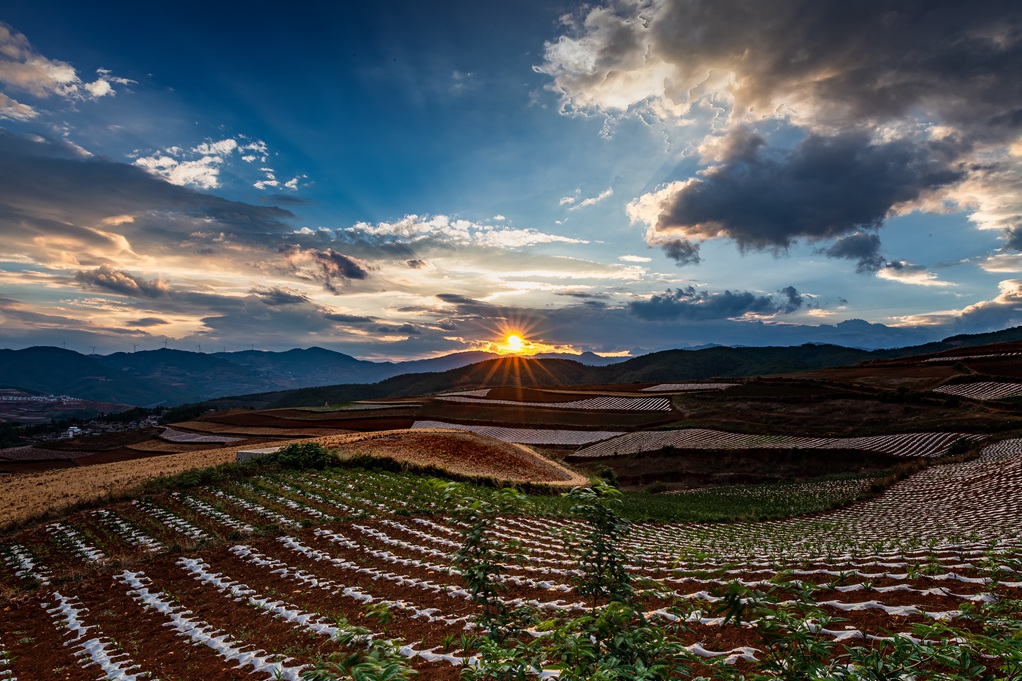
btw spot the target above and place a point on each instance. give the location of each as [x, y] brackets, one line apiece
[249, 577]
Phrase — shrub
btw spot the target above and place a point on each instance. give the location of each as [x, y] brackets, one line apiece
[303, 455]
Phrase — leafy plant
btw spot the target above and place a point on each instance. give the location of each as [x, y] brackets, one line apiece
[303, 456]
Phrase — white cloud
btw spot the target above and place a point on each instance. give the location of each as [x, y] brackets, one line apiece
[222, 148]
[292, 184]
[907, 273]
[634, 258]
[1008, 263]
[25, 70]
[203, 173]
[447, 231]
[15, 110]
[200, 166]
[593, 200]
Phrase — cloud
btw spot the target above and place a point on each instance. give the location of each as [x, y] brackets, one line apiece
[634, 258]
[824, 187]
[1002, 312]
[907, 273]
[280, 295]
[848, 116]
[683, 251]
[25, 70]
[200, 166]
[56, 205]
[329, 267]
[442, 231]
[817, 62]
[863, 247]
[416, 264]
[147, 322]
[1013, 238]
[348, 318]
[591, 201]
[688, 303]
[123, 283]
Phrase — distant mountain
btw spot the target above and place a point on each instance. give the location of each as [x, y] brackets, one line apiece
[173, 377]
[665, 366]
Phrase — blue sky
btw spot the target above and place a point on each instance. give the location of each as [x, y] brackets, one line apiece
[424, 179]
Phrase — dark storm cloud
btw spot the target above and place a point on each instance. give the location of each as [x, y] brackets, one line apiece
[854, 63]
[863, 247]
[405, 329]
[147, 322]
[584, 295]
[690, 304]
[683, 251]
[469, 306]
[825, 187]
[280, 295]
[116, 281]
[329, 267]
[795, 300]
[348, 318]
[1013, 238]
[892, 99]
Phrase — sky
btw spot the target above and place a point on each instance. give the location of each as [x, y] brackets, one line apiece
[409, 179]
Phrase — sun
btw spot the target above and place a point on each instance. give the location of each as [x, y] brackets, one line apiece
[515, 343]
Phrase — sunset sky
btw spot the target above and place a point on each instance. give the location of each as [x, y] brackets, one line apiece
[408, 179]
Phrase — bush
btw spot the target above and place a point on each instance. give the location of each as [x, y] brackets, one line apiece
[303, 455]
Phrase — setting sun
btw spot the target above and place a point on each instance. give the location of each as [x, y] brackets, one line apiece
[514, 343]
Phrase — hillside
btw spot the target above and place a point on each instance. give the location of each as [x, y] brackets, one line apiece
[669, 365]
[316, 375]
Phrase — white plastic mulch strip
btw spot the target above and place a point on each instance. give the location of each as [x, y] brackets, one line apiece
[256, 508]
[100, 651]
[603, 403]
[24, 565]
[985, 390]
[184, 437]
[5, 673]
[130, 533]
[687, 387]
[308, 579]
[903, 444]
[528, 436]
[68, 537]
[171, 520]
[201, 633]
[312, 622]
[958, 358]
[208, 510]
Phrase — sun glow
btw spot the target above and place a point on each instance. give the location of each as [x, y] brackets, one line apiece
[514, 343]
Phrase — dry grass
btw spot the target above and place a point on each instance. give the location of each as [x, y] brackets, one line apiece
[31, 495]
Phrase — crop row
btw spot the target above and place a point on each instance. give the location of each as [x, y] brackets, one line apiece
[603, 403]
[906, 444]
[985, 390]
[688, 387]
[958, 358]
[266, 606]
[528, 436]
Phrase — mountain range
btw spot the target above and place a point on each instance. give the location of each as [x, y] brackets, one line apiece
[316, 375]
[169, 377]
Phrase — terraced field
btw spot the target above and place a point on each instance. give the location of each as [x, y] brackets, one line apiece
[904, 445]
[251, 578]
[984, 390]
